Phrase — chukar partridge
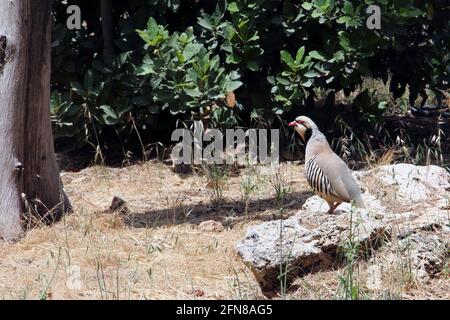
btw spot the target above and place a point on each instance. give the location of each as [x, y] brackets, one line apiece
[326, 172]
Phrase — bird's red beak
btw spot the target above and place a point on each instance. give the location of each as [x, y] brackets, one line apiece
[292, 124]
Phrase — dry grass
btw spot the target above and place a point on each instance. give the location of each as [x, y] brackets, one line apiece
[157, 250]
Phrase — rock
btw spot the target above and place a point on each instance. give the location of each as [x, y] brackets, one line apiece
[426, 253]
[211, 226]
[402, 200]
[118, 205]
[412, 184]
[415, 198]
[317, 204]
[412, 222]
[198, 293]
[304, 243]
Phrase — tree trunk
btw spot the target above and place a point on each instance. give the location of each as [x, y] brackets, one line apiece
[29, 176]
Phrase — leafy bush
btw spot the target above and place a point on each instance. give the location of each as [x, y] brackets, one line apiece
[177, 60]
[182, 73]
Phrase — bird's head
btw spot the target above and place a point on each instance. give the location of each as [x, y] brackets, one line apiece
[304, 126]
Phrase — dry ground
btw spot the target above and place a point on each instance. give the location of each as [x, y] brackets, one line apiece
[157, 250]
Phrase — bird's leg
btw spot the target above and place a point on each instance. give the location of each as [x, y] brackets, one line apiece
[333, 206]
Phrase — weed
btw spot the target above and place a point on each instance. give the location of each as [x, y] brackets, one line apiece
[248, 187]
[281, 187]
[45, 292]
[349, 287]
[217, 176]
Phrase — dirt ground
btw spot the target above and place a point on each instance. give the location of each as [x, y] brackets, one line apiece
[156, 250]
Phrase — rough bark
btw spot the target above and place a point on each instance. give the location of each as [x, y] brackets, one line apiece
[29, 176]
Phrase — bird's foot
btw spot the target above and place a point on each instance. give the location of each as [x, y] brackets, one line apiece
[332, 206]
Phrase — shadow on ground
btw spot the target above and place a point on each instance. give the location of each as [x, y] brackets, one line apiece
[226, 212]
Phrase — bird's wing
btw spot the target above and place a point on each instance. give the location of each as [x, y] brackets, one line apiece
[344, 185]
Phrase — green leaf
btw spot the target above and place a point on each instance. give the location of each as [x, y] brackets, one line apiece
[234, 75]
[233, 7]
[307, 5]
[316, 14]
[194, 92]
[180, 56]
[287, 58]
[348, 8]
[206, 22]
[183, 38]
[344, 41]
[311, 74]
[232, 85]
[343, 19]
[144, 69]
[109, 116]
[329, 80]
[283, 81]
[233, 59]
[152, 27]
[410, 12]
[307, 84]
[78, 88]
[317, 55]
[280, 98]
[300, 54]
[144, 36]
[191, 50]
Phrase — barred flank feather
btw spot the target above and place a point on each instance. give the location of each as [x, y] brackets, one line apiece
[316, 178]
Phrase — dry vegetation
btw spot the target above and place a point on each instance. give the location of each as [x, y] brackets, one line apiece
[157, 251]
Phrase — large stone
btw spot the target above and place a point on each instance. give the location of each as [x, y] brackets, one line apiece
[416, 198]
[425, 254]
[410, 183]
[416, 221]
[317, 204]
[306, 243]
[406, 201]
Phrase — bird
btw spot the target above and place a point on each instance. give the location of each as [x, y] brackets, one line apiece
[326, 173]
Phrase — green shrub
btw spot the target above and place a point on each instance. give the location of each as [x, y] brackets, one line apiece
[181, 72]
[178, 60]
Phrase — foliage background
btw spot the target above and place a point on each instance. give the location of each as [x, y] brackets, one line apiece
[249, 63]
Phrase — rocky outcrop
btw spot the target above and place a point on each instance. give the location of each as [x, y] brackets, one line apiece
[307, 242]
[403, 201]
[406, 184]
[416, 198]
[426, 254]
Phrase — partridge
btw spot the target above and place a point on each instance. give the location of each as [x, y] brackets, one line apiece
[326, 172]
